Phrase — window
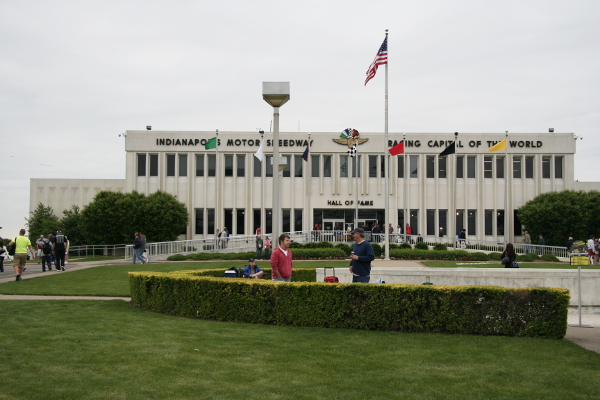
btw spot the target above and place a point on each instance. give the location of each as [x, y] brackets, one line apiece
[529, 167]
[212, 165]
[241, 165]
[153, 164]
[269, 224]
[460, 167]
[199, 221]
[517, 224]
[517, 167]
[141, 165]
[500, 222]
[269, 173]
[355, 165]
[401, 219]
[287, 171]
[382, 163]
[327, 166]
[442, 167]
[558, 167]
[546, 166]
[343, 166]
[285, 213]
[297, 220]
[430, 167]
[460, 221]
[414, 167]
[414, 221]
[257, 167]
[471, 166]
[443, 221]
[170, 164]
[500, 167]
[240, 221]
[183, 164]
[228, 164]
[488, 167]
[210, 216]
[489, 218]
[372, 166]
[431, 222]
[228, 223]
[314, 160]
[401, 167]
[472, 222]
[256, 218]
[298, 166]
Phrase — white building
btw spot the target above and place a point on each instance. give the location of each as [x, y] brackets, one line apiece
[324, 190]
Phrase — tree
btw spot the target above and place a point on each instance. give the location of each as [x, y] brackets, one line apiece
[42, 222]
[558, 215]
[72, 226]
[114, 217]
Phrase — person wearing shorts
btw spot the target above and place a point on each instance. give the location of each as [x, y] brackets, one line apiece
[20, 257]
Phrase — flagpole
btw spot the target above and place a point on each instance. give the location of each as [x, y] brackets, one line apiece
[309, 180]
[263, 227]
[216, 189]
[506, 216]
[454, 212]
[404, 156]
[387, 163]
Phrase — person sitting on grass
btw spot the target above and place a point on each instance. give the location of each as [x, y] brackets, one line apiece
[510, 254]
[253, 271]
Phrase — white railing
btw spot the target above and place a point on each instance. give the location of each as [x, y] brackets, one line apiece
[248, 243]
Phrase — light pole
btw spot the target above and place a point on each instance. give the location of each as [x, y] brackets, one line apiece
[276, 94]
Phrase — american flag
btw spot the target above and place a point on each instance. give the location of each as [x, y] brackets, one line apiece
[380, 59]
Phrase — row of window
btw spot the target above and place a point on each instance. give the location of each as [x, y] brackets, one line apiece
[321, 166]
[205, 220]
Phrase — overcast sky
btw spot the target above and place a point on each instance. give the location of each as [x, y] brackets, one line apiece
[75, 74]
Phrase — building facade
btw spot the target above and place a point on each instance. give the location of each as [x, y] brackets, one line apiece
[473, 189]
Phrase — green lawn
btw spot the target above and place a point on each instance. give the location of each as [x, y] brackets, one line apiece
[112, 280]
[496, 264]
[68, 349]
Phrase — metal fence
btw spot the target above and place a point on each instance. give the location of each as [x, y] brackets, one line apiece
[248, 243]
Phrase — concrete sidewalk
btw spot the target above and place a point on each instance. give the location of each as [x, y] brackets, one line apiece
[588, 338]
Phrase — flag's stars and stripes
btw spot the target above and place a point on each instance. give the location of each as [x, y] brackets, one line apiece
[380, 59]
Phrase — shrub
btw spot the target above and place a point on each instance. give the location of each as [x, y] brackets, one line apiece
[528, 257]
[177, 257]
[440, 247]
[393, 246]
[478, 256]
[405, 245]
[377, 249]
[495, 256]
[417, 254]
[296, 245]
[549, 257]
[475, 310]
[422, 246]
[344, 247]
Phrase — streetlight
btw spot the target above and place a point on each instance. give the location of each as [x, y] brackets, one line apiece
[276, 94]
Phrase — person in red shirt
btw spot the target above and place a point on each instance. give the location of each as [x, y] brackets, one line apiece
[281, 260]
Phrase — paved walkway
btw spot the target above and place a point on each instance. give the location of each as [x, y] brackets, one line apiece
[588, 338]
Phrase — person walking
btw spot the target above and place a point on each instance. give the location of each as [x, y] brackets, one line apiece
[281, 260]
[527, 242]
[259, 247]
[59, 248]
[143, 247]
[22, 244]
[137, 242]
[542, 242]
[3, 254]
[361, 257]
[46, 253]
[267, 248]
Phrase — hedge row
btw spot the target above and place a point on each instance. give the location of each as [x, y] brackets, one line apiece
[477, 310]
[298, 274]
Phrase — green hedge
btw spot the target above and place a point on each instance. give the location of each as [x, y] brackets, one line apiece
[477, 310]
[298, 274]
[415, 254]
[298, 254]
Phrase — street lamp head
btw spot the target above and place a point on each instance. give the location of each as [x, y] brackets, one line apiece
[276, 93]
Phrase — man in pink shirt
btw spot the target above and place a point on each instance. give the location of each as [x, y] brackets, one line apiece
[281, 260]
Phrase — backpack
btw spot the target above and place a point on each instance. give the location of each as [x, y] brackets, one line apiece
[13, 248]
[46, 247]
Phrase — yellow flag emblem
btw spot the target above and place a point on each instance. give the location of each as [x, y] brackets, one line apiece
[498, 146]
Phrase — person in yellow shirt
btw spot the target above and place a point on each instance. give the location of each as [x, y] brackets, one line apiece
[20, 257]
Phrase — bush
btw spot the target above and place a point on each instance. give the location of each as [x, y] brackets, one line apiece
[549, 258]
[344, 247]
[177, 257]
[528, 257]
[296, 245]
[422, 246]
[377, 249]
[393, 246]
[440, 247]
[474, 310]
[417, 254]
[308, 254]
[495, 256]
[405, 245]
[478, 256]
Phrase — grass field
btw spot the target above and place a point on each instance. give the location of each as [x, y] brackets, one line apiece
[68, 349]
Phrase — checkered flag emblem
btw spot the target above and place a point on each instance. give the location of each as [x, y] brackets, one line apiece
[352, 151]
